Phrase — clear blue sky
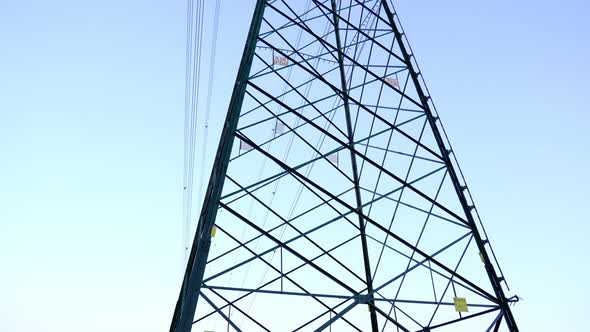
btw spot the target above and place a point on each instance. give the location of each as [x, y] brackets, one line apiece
[91, 139]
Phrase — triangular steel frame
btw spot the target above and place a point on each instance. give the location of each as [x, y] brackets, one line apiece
[355, 238]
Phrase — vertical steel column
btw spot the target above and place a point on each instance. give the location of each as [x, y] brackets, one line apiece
[193, 278]
[494, 280]
[359, 203]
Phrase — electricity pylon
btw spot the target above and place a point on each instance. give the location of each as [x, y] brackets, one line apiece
[335, 201]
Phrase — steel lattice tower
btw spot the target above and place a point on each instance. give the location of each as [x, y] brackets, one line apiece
[335, 202]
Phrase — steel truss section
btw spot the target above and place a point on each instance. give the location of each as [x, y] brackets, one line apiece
[335, 201]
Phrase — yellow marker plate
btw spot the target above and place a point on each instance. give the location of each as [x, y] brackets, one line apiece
[460, 304]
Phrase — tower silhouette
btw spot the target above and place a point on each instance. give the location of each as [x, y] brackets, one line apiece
[335, 201]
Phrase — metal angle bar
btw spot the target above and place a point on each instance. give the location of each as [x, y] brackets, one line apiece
[290, 24]
[277, 182]
[188, 297]
[322, 314]
[395, 317]
[453, 273]
[336, 317]
[417, 208]
[362, 26]
[288, 248]
[306, 105]
[297, 87]
[308, 144]
[294, 50]
[320, 205]
[382, 196]
[218, 311]
[460, 319]
[396, 309]
[320, 55]
[266, 291]
[286, 242]
[477, 305]
[371, 221]
[364, 108]
[278, 115]
[322, 37]
[356, 35]
[254, 257]
[295, 132]
[365, 29]
[497, 327]
[271, 69]
[259, 185]
[386, 195]
[286, 273]
[356, 28]
[280, 175]
[306, 55]
[421, 263]
[242, 244]
[368, 138]
[324, 202]
[402, 153]
[278, 226]
[395, 108]
[369, 71]
[391, 192]
[362, 93]
[389, 318]
[309, 103]
[294, 252]
[288, 223]
[310, 209]
[368, 279]
[402, 123]
[450, 282]
[320, 78]
[291, 140]
[237, 308]
[432, 281]
[314, 118]
[496, 322]
[365, 158]
[259, 256]
[373, 119]
[430, 268]
[393, 218]
[297, 20]
[310, 81]
[332, 296]
[305, 98]
[494, 280]
[373, 80]
[341, 303]
[373, 122]
[383, 163]
[333, 48]
[277, 176]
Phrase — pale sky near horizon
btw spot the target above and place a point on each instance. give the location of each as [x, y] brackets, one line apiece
[91, 143]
